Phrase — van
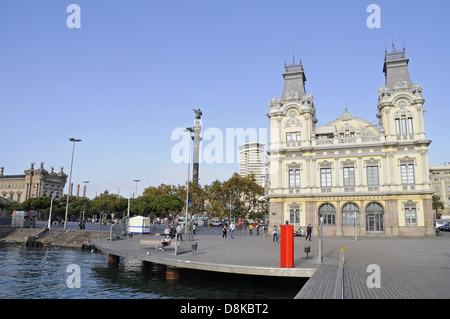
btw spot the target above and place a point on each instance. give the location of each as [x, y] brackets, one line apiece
[215, 222]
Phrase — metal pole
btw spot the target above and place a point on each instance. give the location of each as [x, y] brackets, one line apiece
[70, 179]
[50, 214]
[320, 240]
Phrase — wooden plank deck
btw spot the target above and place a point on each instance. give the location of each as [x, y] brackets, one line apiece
[397, 282]
[321, 285]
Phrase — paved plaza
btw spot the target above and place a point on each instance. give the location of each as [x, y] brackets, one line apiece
[259, 255]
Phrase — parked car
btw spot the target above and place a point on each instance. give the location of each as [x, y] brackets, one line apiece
[445, 227]
[439, 223]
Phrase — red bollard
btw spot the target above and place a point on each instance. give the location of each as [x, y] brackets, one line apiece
[287, 246]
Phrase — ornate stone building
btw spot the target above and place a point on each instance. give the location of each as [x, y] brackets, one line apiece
[35, 182]
[440, 184]
[360, 177]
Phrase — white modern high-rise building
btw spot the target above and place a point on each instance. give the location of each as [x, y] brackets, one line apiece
[251, 161]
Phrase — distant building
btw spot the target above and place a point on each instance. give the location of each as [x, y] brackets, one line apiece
[440, 184]
[372, 179]
[251, 161]
[35, 182]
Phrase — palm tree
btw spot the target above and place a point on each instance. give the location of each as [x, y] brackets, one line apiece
[437, 204]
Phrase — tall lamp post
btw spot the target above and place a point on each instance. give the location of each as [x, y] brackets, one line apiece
[137, 181]
[74, 140]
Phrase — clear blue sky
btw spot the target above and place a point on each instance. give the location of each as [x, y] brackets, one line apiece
[135, 70]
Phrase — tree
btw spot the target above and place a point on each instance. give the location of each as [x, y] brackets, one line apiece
[168, 203]
[437, 204]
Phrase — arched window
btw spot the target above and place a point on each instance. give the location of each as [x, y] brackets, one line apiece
[328, 213]
[374, 217]
[349, 212]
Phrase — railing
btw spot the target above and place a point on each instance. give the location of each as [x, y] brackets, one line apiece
[119, 230]
[186, 240]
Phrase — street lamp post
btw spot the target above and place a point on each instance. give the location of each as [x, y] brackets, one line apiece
[74, 140]
[137, 181]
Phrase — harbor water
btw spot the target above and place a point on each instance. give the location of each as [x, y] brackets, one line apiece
[68, 273]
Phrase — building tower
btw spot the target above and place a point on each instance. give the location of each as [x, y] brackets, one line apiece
[251, 161]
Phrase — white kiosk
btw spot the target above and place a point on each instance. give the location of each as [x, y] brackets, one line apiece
[139, 225]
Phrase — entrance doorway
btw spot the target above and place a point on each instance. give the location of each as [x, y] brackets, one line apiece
[374, 218]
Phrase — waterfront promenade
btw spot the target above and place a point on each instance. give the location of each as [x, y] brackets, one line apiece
[411, 268]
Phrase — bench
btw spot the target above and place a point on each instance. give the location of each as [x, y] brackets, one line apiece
[157, 243]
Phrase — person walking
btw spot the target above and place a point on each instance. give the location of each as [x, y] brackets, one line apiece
[224, 231]
[308, 232]
[250, 227]
[275, 234]
[232, 228]
[179, 232]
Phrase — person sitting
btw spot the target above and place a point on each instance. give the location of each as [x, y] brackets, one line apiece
[165, 242]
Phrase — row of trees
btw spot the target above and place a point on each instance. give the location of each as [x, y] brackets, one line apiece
[238, 197]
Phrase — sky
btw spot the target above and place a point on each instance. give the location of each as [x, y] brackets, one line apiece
[127, 80]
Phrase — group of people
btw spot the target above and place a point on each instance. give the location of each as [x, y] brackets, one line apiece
[276, 231]
[232, 229]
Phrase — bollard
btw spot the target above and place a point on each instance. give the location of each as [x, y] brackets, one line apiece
[341, 257]
[307, 250]
[287, 246]
[194, 247]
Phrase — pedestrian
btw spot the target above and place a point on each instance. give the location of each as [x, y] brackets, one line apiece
[224, 231]
[250, 228]
[264, 230]
[257, 230]
[179, 232]
[194, 228]
[274, 234]
[232, 228]
[308, 232]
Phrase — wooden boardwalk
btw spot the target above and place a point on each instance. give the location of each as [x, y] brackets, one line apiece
[396, 282]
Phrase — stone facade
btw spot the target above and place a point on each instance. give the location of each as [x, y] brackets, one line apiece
[440, 184]
[35, 182]
[351, 171]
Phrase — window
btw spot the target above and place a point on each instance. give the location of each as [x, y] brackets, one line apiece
[349, 176]
[294, 178]
[328, 213]
[410, 215]
[294, 214]
[293, 137]
[325, 177]
[407, 171]
[372, 175]
[404, 125]
[349, 212]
